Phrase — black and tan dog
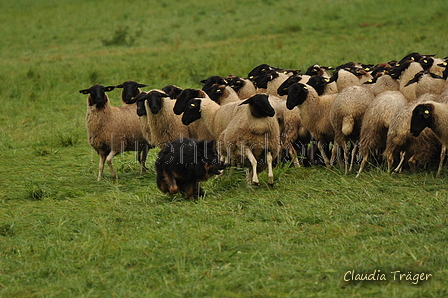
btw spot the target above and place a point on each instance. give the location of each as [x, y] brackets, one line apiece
[183, 163]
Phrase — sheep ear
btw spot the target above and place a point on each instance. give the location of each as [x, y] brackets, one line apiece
[119, 86]
[141, 85]
[85, 91]
[109, 88]
[426, 114]
[203, 81]
[414, 80]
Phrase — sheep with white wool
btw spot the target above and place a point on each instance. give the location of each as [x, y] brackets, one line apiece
[270, 81]
[130, 90]
[314, 112]
[222, 94]
[346, 115]
[399, 138]
[244, 87]
[433, 115]
[375, 123]
[158, 119]
[251, 139]
[110, 128]
[198, 129]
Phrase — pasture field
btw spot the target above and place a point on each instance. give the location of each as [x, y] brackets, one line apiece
[64, 234]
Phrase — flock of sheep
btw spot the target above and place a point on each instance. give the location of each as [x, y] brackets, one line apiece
[394, 111]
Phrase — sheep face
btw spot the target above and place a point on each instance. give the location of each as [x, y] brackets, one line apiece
[314, 70]
[318, 83]
[184, 97]
[140, 100]
[283, 88]
[236, 83]
[259, 70]
[262, 80]
[97, 95]
[215, 92]
[208, 83]
[192, 111]
[172, 90]
[297, 94]
[155, 101]
[260, 106]
[130, 90]
[421, 118]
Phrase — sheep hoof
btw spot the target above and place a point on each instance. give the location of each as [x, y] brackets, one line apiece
[271, 185]
[256, 183]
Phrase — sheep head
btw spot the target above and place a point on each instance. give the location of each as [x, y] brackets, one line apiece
[297, 94]
[192, 111]
[184, 97]
[140, 100]
[283, 88]
[259, 106]
[155, 101]
[172, 90]
[421, 118]
[97, 95]
[130, 90]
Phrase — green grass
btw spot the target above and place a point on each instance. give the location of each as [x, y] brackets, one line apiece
[64, 234]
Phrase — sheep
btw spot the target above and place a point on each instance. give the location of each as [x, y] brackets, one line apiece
[346, 114]
[198, 130]
[130, 90]
[322, 71]
[210, 81]
[252, 139]
[222, 94]
[244, 88]
[376, 123]
[252, 135]
[427, 82]
[381, 83]
[172, 90]
[314, 112]
[269, 82]
[163, 125]
[399, 138]
[109, 127]
[346, 77]
[433, 115]
[183, 163]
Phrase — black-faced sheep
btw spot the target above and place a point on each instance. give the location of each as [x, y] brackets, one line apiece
[164, 126]
[110, 128]
[183, 164]
[346, 115]
[250, 138]
[172, 90]
[375, 124]
[130, 90]
[315, 114]
[433, 115]
[245, 88]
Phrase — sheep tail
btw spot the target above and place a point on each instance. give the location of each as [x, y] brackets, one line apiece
[347, 125]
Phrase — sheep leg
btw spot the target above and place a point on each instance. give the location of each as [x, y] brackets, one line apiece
[346, 157]
[400, 165]
[101, 165]
[109, 158]
[354, 152]
[295, 159]
[270, 172]
[253, 162]
[324, 155]
[413, 164]
[363, 164]
[442, 159]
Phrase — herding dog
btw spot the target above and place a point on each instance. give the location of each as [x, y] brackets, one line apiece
[183, 163]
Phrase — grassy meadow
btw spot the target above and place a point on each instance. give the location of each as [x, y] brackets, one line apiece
[64, 234]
